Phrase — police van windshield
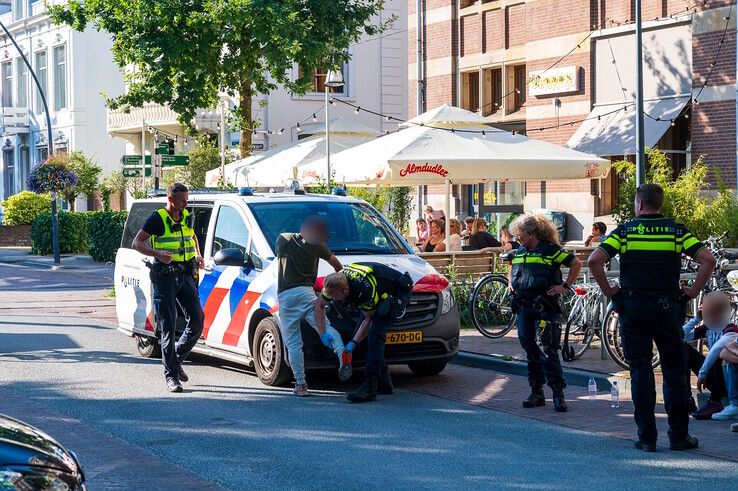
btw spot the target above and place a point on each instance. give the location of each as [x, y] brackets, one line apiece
[355, 228]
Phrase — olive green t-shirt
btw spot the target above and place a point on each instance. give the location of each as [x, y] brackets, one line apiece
[298, 261]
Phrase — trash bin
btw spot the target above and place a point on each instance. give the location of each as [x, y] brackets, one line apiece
[559, 219]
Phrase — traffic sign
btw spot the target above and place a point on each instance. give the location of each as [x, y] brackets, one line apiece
[131, 160]
[135, 172]
[166, 160]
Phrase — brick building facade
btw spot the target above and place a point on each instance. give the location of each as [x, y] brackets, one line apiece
[484, 55]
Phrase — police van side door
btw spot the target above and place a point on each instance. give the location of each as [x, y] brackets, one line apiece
[224, 289]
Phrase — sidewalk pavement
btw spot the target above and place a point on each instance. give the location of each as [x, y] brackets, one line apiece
[22, 256]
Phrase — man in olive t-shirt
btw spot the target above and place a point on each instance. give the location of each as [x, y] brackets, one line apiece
[298, 256]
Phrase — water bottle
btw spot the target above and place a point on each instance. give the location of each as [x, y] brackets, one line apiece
[592, 386]
[615, 395]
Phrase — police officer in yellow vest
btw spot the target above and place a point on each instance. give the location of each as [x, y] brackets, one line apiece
[648, 301]
[177, 259]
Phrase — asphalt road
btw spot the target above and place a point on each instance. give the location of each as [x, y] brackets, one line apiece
[233, 431]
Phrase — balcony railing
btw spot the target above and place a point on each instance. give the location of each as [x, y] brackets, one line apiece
[15, 120]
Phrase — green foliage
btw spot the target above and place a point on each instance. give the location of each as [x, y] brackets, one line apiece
[375, 196]
[88, 174]
[205, 156]
[104, 232]
[53, 175]
[72, 233]
[688, 197]
[186, 53]
[399, 208]
[24, 207]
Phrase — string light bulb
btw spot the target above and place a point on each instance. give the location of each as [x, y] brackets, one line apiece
[298, 128]
[281, 130]
[315, 118]
[356, 111]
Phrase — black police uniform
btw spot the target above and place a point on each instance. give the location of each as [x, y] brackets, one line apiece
[533, 273]
[650, 249]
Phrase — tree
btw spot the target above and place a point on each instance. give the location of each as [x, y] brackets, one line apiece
[88, 176]
[186, 53]
[204, 157]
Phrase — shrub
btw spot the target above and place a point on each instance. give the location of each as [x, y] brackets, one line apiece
[23, 208]
[104, 232]
[72, 233]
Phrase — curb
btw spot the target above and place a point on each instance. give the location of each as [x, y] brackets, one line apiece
[517, 367]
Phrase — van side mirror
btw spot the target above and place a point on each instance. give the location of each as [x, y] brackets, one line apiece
[254, 261]
[229, 257]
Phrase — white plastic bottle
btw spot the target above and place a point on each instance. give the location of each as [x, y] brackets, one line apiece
[592, 386]
[615, 395]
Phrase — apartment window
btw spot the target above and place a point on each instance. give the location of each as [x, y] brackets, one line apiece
[6, 71]
[492, 91]
[42, 151]
[24, 166]
[22, 70]
[470, 91]
[9, 168]
[20, 8]
[318, 80]
[41, 73]
[60, 77]
[520, 84]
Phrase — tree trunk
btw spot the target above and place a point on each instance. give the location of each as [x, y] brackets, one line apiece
[245, 110]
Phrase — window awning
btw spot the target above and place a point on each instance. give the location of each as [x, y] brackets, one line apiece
[610, 128]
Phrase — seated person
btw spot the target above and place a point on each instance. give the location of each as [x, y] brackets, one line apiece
[421, 231]
[455, 237]
[480, 239]
[508, 241]
[468, 222]
[599, 230]
[436, 240]
[712, 323]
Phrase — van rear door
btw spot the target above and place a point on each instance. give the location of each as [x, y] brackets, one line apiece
[132, 283]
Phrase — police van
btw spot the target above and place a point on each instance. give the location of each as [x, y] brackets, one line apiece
[237, 233]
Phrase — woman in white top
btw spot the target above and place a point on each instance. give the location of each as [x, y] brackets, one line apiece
[455, 237]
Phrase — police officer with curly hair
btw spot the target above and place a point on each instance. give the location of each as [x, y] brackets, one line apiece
[536, 283]
[648, 303]
[177, 258]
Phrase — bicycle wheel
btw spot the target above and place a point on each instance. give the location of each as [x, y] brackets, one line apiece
[490, 307]
[613, 342]
[579, 332]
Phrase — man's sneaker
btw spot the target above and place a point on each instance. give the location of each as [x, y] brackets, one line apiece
[385, 385]
[687, 444]
[301, 390]
[345, 369]
[706, 411]
[734, 427]
[173, 385]
[645, 446]
[560, 402]
[730, 412]
[183, 376]
[535, 399]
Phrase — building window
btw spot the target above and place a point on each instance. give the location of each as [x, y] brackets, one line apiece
[60, 78]
[9, 168]
[492, 91]
[520, 85]
[41, 73]
[24, 166]
[19, 9]
[470, 91]
[6, 71]
[22, 71]
[318, 80]
[42, 151]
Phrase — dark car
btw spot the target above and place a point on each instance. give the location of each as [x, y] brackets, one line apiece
[32, 460]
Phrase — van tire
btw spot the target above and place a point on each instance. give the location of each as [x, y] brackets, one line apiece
[147, 346]
[268, 352]
[427, 368]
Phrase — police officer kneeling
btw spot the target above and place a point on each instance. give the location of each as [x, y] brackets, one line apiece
[177, 256]
[381, 293]
[536, 284]
[648, 301]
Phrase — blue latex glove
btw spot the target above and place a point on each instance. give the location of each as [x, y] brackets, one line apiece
[350, 346]
[327, 340]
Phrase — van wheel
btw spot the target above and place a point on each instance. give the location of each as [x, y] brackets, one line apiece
[427, 368]
[268, 352]
[147, 346]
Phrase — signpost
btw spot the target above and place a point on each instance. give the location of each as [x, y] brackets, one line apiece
[132, 163]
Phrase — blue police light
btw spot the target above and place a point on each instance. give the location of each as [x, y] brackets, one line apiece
[338, 192]
[245, 192]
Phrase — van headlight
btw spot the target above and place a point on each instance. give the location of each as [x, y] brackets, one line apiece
[447, 300]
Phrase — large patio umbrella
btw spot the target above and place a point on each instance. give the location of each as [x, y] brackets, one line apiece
[274, 167]
[427, 151]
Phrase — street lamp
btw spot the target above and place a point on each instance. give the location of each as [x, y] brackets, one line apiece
[333, 79]
[223, 107]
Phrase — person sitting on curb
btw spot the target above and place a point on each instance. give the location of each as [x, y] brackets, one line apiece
[381, 294]
[298, 256]
[716, 313]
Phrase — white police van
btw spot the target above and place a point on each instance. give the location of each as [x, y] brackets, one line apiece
[240, 300]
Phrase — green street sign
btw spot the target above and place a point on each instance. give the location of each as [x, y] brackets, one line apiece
[135, 171]
[131, 160]
[162, 149]
[173, 160]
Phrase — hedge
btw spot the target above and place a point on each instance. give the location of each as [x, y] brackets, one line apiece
[24, 207]
[104, 232]
[72, 233]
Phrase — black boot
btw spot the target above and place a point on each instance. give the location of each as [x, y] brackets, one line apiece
[366, 392]
[535, 399]
[384, 384]
[559, 401]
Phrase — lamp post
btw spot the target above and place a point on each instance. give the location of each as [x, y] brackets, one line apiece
[50, 142]
[222, 106]
[333, 79]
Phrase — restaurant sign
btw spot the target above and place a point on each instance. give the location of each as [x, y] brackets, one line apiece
[558, 80]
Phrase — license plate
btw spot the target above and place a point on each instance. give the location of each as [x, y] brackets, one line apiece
[404, 337]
